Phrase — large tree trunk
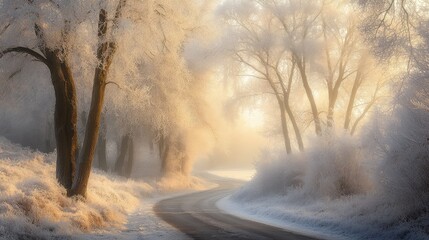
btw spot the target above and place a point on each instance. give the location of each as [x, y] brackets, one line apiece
[105, 54]
[65, 118]
[91, 134]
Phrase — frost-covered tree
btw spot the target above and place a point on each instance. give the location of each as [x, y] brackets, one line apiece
[89, 45]
[300, 48]
[49, 28]
[399, 29]
[391, 25]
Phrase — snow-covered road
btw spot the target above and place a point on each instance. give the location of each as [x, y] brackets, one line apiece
[197, 215]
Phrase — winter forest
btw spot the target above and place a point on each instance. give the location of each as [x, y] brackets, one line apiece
[214, 119]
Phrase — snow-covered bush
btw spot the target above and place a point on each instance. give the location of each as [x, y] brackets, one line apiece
[32, 203]
[404, 177]
[274, 178]
[335, 168]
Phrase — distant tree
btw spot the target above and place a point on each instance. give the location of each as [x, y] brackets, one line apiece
[123, 165]
[282, 43]
[101, 145]
[259, 51]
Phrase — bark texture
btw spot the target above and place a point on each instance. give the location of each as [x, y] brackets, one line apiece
[65, 118]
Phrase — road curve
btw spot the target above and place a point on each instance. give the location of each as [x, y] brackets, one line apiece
[196, 215]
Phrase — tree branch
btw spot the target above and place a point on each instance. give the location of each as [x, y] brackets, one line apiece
[25, 50]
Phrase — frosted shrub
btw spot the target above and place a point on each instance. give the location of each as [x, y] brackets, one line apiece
[276, 177]
[335, 168]
[404, 177]
[331, 169]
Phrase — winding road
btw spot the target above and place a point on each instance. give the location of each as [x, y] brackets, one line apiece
[196, 215]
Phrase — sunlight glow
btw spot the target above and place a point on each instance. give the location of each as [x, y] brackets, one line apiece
[253, 117]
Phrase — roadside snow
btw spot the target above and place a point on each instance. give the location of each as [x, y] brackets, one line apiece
[263, 213]
[142, 224]
[34, 205]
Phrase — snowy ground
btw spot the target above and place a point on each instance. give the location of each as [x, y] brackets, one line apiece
[33, 205]
[142, 224]
[263, 213]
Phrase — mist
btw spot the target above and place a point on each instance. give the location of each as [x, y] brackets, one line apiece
[326, 101]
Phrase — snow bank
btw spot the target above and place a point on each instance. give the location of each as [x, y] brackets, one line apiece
[32, 204]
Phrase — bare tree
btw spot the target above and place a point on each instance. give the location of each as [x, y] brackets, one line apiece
[264, 60]
[338, 68]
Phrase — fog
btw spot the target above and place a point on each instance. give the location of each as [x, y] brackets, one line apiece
[326, 100]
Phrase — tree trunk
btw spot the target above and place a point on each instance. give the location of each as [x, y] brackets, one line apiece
[120, 161]
[101, 152]
[365, 111]
[285, 130]
[183, 158]
[101, 146]
[283, 119]
[130, 162]
[310, 97]
[333, 96]
[65, 118]
[105, 54]
[91, 134]
[49, 147]
[330, 116]
[165, 152]
[295, 128]
[350, 106]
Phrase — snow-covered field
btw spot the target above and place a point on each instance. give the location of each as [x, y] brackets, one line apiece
[32, 204]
